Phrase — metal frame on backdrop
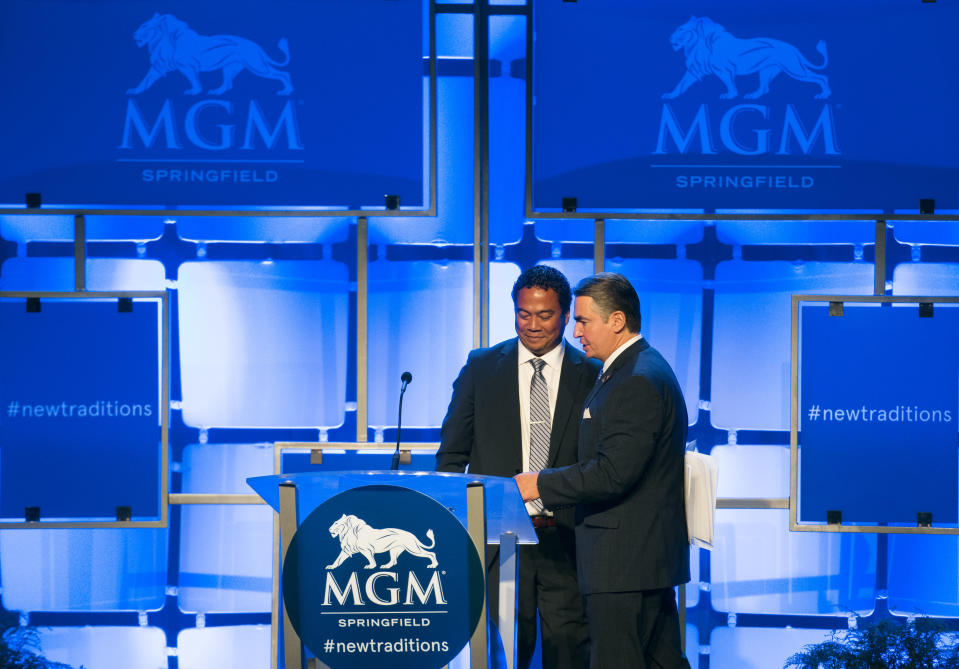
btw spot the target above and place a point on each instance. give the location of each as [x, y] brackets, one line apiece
[164, 482]
[794, 525]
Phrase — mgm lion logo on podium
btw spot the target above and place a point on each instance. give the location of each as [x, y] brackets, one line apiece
[174, 46]
[709, 49]
[357, 537]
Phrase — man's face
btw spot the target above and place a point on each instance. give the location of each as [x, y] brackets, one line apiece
[597, 336]
[539, 319]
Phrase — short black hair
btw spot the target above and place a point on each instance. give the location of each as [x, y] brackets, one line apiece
[547, 278]
[612, 292]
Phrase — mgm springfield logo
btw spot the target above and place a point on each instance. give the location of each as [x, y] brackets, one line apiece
[172, 114]
[383, 576]
[759, 122]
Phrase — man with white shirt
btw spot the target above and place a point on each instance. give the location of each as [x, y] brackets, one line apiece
[516, 407]
[627, 486]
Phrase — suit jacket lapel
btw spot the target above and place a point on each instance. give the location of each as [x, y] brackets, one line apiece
[506, 387]
[625, 358]
[569, 380]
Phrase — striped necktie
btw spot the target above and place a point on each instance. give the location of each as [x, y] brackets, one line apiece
[539, 421]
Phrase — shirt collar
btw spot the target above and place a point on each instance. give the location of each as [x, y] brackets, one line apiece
[553, 359]
[615, 354]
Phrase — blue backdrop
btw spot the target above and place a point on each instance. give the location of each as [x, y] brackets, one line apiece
[878, 413]
[753, 104]
[80, 434]
[212, 104]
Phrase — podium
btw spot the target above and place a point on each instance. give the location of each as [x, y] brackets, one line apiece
[388, 568]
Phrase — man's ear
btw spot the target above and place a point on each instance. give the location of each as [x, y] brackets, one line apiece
[618, 320]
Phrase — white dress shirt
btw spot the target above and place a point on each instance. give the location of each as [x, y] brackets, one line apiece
[623, 347]
[551, 372]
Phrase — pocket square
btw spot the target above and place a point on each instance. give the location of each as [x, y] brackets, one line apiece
[586, 415]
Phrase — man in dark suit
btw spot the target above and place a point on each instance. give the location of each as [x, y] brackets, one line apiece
[627, 486]
[513, 404]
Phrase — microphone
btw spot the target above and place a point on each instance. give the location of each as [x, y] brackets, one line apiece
[406, 377]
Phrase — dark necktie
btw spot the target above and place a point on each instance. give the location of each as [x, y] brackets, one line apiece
[539, 421]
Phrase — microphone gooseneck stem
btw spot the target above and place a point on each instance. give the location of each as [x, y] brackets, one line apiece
[395, 465]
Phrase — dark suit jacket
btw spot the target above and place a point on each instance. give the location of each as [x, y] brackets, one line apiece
[482, 424]
[628, 483]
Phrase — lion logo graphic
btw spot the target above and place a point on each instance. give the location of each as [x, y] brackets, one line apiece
[709, 49]
[174, 46]
[357, 537]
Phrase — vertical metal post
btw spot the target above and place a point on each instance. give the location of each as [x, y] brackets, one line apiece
[481, 173]
[476, 526]
[362, 346]
[599, 245]
[292, 647]
[506, 616]
[879, 279]
[79, 253]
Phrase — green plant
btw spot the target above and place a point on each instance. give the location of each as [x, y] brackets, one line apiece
[888, 644]
[20, 645]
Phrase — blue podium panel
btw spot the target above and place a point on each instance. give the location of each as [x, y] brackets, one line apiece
[750, 374]
[263, 344]
[214, 104]
[755, 104]
[878, 431]
[923, 579]
[237, 647]
[81, 394]
[753, 648]
[505, 510]
[759, 566]
[105, 647]
[84, 570]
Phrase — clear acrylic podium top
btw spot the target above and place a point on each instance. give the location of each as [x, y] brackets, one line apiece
[505, 511]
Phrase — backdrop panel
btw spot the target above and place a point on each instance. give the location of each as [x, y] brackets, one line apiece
[879, 400]
[80, 433]
[756, 104]
[212, 104]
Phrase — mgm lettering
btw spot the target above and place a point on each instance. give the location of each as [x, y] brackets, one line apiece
[257, 129]
[748, 130]
[383, 594]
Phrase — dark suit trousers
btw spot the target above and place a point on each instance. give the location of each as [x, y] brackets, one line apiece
[635, 630]
[547, 584]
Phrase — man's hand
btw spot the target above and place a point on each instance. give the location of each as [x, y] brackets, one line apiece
[527, 485]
